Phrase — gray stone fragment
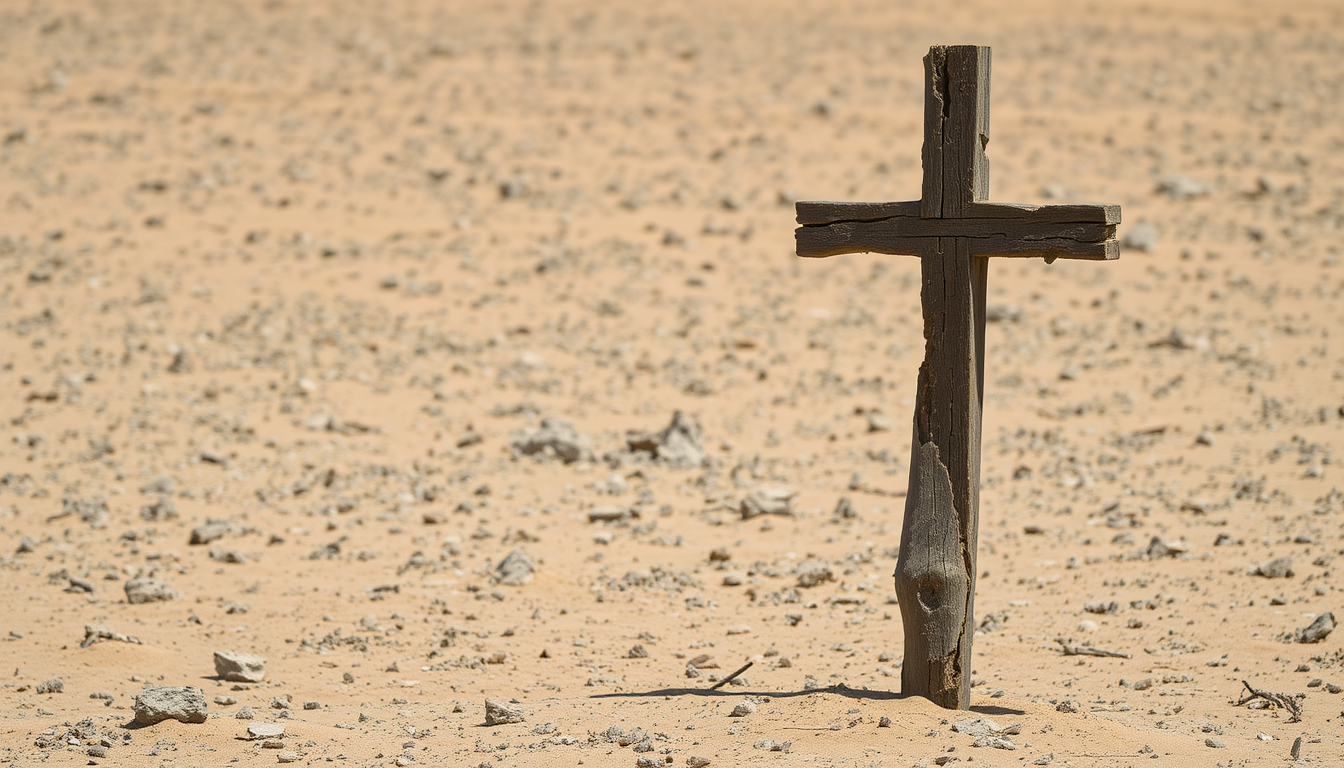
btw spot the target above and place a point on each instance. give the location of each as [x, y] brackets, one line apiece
[1318, 630]
[209, 531]
[265, 731]
[143, 589]
[743, 708]
[554, 436]
[767, 501]
[680, 444]
[1141, 237]
[54, 685]
[160, 511]
[157, 703]
[239, 667]
[1278, 568]
[516, 569]
[502, 713]
[246, 713]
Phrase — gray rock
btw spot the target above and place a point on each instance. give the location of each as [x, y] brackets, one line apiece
[516, 569]
[246, 713]
[502, 713]
[265, 731]
[159, 511]
[743, 708]
[1141, 237]
[680, 444]
[767, 501]
[555, 437]
[54, 685]
[92, 511]
[1278, 568]
[239, 667]
[143, 589]
[694, 761]
[209, 531]
[1182, 187]
[157, 703]
[1318, 630]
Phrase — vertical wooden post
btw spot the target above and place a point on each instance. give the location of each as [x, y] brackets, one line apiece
[935, 572]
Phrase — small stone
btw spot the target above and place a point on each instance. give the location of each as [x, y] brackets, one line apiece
[1142, 236]
[157, 703]
[143, 589]
[225, 701]
[556, 437]
[502, 713]
[516, 569]
[246, 713]
[1067, 706]
[288, 757]
[265, 731]
[1214, 743]
[1278, 568]
[695, 761]
[1318, 630]
[311, 705]
[347, 677]
[239, 667]
[637, 652]
[884, 722]
[743, 708]
[209, 531]
[54, 685]
[97, 750]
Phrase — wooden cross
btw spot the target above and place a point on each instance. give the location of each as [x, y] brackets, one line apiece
[953, 230]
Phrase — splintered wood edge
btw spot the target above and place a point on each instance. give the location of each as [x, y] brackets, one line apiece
[820, 213]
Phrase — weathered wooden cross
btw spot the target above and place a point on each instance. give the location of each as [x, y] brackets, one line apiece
[953, 230]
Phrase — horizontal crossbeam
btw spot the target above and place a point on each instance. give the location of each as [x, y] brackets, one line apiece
[1051, 232]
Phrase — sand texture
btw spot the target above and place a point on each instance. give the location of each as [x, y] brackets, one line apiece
[413, 356]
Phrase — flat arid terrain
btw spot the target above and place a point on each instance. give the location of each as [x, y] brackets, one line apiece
[361, 362]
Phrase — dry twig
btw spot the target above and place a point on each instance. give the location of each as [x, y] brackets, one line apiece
[732, 677]
[1291, 703]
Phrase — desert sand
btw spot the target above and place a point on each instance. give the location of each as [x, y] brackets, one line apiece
[301, 282]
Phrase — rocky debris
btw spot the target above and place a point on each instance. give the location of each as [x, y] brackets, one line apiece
[695, 761]
[239, 667]
[1278, 568]
[287, 757]
[1317, 631]
[810, 573]
[679, 445]
[516, 569]
[844, 510]
[1159, 548]
[767, 501]
[555, 437]
[257, 731]
[611, 514]
[144, 589]
[157, 703]
[95, 632]
[54, 685]
[1142, 236]
[744, 708]
[92, 511]
[209, 531]
[160, 511]
[502, 713]
[245, 713]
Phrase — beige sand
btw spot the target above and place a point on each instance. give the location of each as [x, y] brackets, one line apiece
[276, 263]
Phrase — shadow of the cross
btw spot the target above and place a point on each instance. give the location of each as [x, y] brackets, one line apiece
[839, 690]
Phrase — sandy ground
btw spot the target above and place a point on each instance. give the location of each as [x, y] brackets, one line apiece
[315, 270]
